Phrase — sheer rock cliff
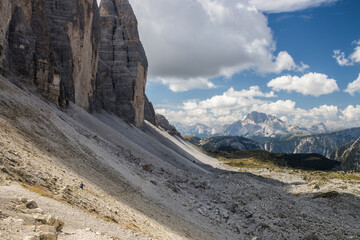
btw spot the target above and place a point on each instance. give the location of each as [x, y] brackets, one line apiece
[53, 44]
[70, 53]
[123, 65]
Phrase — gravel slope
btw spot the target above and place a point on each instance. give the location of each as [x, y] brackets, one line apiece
[150, 184]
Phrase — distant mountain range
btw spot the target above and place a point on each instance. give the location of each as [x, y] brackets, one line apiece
[349, 154]
[255, 125]
[323, 144]
[224, 143]
[198, 130]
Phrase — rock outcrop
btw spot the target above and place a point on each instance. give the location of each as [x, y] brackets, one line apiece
[149, 112]
[53, 44]
[122, 69]
[164, 124]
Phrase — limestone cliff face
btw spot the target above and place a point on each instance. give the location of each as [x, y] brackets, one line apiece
[70, 53]
[54, 44]
[5, 13]
[122, 68]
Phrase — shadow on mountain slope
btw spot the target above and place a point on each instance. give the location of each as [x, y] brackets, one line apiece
[146, 172]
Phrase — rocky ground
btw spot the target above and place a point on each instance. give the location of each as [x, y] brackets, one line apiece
[145, 184]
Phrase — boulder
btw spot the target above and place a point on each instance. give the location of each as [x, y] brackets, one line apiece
[54, 221]
[40, 218]
[31, 204]
[48, 236]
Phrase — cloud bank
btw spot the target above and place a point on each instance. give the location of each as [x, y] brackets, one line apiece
[314, 84]
[190, 40]
[278, 6]
[234, 105]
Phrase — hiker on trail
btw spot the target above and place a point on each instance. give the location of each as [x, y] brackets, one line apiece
[81, 185]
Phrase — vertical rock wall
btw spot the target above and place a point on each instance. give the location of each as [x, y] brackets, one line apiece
[5, 14]
[122, 68]
[54, 43]
[72, 54]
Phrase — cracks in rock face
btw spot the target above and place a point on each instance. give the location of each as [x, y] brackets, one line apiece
[127, 57]
[113, 52]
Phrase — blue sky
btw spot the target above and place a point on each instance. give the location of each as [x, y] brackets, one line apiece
[214, 61]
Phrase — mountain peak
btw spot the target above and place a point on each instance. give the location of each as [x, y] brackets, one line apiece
[257, 117]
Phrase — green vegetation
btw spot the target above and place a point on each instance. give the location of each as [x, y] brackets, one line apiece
[264, 159]
[39, 190]
[276, 163]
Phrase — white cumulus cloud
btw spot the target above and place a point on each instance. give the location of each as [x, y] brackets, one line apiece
[189, 40]
[232, 106]
[351, 114]
[353, 87]
[277, 6]
[315, 84]
[354, 57]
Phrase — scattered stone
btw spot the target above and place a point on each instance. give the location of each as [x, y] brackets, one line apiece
[172, 186]
[31, 204]
[224, 214]
[2, 215]
[249, 215]
[148, 167]
[201, 211]
[38, 210]
[33, 237]
[201, 185]
[317, 187]
[40, 218]
[23, 199]
[21, 207]
[311, 236]
[232, 207]
[54, 221]
[46, 229]
[331, 194]
[48, 236]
